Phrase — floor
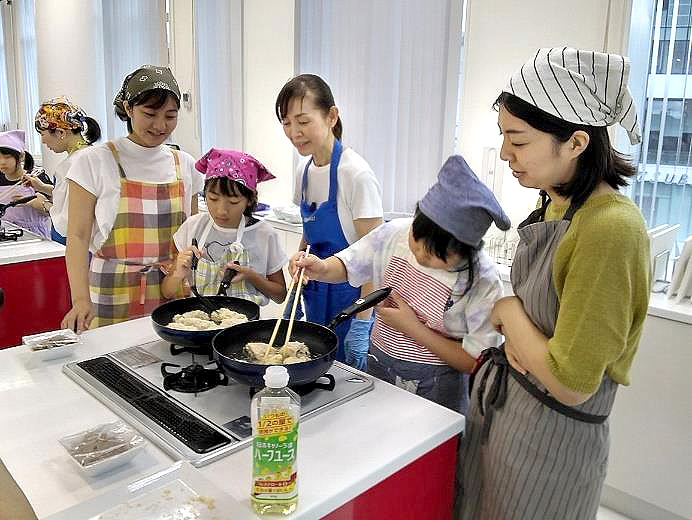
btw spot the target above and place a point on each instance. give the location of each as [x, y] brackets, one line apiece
[607, 514]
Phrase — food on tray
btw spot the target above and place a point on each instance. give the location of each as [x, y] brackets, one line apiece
[101, 443]
[50, 340]
[291, 352]
[200, 320]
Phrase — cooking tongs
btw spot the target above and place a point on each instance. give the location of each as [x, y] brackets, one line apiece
[206, 302]
[24, 200]
[227, 279]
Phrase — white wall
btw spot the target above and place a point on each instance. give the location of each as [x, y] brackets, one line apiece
[182, 62]
[70, 59]
[268, 61]
[501, 35]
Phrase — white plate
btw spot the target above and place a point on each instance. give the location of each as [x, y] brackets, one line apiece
[176, 493]
[53, 353]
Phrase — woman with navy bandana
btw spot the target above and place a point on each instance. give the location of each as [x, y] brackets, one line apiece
[436, 321]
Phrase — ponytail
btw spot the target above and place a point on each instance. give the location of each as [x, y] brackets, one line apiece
[92, 130]
[28, 162]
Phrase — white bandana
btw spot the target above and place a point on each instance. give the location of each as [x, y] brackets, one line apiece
[582, 87]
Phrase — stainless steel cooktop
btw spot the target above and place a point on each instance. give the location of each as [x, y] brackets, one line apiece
[198, 427]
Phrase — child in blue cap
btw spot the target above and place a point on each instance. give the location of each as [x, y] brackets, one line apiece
[436, 321]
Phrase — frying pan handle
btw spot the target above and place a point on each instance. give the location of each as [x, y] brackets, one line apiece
[193, 265]
[361, 304]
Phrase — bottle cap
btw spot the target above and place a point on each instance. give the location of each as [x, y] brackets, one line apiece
[276, 377]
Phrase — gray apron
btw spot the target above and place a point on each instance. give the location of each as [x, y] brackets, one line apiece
[524, 454]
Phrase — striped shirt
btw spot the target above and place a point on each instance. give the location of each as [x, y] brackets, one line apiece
[384, 258]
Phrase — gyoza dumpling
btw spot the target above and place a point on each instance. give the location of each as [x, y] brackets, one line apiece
[273, 359]
[180, 326]
[295, 349]
[198, 323]
[224, 314]
[194, 314]
[291, 360]
[256, 350]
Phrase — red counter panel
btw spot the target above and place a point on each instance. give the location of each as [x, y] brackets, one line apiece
[423, 490]
[37, 296]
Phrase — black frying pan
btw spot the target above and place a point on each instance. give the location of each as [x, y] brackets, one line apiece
[201, 339]
[229, 344]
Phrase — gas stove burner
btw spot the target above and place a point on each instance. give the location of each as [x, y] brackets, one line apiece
[194, 378]
[305, 389]
[10, 234]
[204, 351]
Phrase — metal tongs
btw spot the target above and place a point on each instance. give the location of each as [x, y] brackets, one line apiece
[23, 200]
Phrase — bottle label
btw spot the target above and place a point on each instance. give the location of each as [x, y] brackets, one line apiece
[274, 449]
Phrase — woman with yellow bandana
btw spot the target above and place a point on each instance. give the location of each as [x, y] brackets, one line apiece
[64, 127]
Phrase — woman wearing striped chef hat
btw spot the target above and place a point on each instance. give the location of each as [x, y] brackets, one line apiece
[536, 443]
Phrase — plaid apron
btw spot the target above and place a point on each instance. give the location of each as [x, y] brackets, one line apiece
[210, 270]
[125, 274]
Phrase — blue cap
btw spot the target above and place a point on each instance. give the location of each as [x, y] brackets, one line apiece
[461, 204]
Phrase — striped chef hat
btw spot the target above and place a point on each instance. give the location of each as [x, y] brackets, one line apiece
[582, 87]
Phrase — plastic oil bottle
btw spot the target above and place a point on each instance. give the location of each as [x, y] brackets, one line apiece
[275, 412]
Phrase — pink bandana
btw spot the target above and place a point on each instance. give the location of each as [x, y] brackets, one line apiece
[237, 166]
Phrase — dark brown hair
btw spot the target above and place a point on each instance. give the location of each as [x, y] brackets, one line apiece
[91, 131]
[298, 88]
[28, 159]
[230, 188]
[599, 162]
[154, 99]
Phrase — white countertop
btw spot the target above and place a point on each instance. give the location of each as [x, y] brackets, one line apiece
[20, 252]
[343, 451]
[284, 225]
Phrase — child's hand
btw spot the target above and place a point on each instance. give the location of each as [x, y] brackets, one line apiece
[315, 267]
[243, 272]
[38, 203]
[183, 264]
[398, 314]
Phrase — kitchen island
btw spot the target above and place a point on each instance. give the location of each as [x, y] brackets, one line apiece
[33, 277]
[383, 454]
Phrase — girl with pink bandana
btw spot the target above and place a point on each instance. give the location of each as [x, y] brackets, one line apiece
[228, 236]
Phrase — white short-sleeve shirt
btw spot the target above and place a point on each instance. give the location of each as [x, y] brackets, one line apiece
[359, 194]
[384, 258]
[58, 212]
[95, 170]
[260, 240]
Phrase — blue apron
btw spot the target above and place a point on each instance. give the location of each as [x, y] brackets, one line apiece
[322, 230]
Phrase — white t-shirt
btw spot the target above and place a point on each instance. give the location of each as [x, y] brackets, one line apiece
[359, 194]
[58, 212]
[260, 240]
[95, 170]
[384, 258]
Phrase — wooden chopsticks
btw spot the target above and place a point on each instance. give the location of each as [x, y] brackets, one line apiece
[293, 309]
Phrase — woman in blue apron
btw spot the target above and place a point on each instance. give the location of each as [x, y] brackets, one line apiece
[339, 199]
[536, 441]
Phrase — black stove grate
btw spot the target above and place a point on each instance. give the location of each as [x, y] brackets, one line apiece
[190, 430]
[191, 379]
[10, 234]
